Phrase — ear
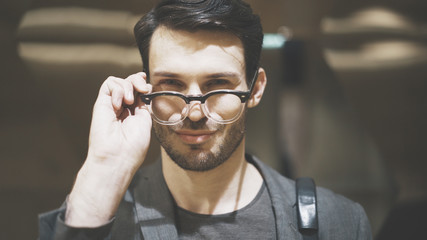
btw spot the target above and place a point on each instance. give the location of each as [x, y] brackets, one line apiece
[259, 88]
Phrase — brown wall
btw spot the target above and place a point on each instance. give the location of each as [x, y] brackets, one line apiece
[354, 119]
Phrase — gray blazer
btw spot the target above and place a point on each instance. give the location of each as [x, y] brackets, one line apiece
[147, 212]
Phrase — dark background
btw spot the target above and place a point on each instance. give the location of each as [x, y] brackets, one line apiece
[345, 102]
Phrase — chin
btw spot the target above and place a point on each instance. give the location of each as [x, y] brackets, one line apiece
[204, 156]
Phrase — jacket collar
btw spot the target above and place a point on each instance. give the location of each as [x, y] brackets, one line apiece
[154, 205]
[283, 199]
[155, 212]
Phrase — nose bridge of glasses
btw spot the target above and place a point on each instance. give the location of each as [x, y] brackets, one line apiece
[195, 110]
[195, 102]
[197, 98]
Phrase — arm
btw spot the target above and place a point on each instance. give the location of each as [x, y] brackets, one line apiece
[118, 142]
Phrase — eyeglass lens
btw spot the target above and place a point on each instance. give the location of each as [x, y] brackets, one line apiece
[221, 107]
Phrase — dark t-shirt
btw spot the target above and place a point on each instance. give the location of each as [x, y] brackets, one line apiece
[254, 221]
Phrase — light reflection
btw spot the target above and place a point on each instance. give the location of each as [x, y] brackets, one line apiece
[377, 55]
[376, 17]
[394, 40]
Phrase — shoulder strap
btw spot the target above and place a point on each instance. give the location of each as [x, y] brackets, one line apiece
[307, 208]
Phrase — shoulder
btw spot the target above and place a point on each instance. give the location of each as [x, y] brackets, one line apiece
[339, 217]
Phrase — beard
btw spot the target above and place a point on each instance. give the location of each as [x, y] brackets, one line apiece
[197, 157]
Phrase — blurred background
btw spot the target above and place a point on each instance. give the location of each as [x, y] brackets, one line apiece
[345, 102]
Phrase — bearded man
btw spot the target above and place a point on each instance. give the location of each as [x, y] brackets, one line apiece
[200, 75]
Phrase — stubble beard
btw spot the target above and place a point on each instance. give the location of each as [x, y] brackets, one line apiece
[197, 158]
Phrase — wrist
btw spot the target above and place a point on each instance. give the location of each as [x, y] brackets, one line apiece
[113, 161]
[96, 194]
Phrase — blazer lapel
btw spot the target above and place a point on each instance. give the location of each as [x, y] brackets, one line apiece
[283, 199]
[154, 206]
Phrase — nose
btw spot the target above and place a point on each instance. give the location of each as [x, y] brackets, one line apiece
[196, 113]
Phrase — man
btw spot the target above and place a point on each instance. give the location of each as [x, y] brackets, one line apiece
[200, 76]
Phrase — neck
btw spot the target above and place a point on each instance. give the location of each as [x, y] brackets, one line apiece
[226, 188]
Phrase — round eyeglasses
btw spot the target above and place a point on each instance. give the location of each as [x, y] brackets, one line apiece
[221, 106]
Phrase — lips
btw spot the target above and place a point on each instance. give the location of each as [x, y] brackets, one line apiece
[195, 137]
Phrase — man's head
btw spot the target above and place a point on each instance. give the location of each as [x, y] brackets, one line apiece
[195, 48]
[233, 16]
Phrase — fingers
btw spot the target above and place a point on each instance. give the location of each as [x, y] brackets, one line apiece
[117, 91]
[139, 83]
[122, 91]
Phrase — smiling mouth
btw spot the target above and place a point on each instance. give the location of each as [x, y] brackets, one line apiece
[194, 137]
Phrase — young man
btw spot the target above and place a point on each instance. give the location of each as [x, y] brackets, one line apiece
[200, 76]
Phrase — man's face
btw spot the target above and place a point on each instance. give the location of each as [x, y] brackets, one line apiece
[194, 64]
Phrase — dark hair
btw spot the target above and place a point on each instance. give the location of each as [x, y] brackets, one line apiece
[234, 16]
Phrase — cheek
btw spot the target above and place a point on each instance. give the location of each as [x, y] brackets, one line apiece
[234, 130]
[161, 131]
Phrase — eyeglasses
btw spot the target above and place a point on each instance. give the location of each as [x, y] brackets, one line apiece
[221, 106]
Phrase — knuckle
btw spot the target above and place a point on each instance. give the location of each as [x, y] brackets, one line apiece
[119, 90]
[111, 78]
[128, 85]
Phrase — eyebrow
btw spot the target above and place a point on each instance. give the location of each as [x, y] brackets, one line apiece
[165, 74]
[223, 74]
[213, 75]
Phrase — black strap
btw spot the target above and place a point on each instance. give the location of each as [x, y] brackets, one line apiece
[307, 208]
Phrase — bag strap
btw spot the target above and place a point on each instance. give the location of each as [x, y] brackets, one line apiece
[307, 208]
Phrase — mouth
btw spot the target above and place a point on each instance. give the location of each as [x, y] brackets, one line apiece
[195, 137]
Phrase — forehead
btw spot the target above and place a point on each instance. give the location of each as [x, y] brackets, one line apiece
[195, 52]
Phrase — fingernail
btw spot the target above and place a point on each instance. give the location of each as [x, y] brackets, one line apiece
[142, 74]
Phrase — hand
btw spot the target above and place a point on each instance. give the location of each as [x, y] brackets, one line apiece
[118, 142]
[119, 134]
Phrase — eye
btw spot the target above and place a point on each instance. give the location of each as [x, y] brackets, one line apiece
[170, 82]
[218, 83]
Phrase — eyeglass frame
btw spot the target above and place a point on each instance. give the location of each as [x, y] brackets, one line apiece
[243, 95]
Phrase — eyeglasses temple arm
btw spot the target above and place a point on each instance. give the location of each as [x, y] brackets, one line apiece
[253, 82]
